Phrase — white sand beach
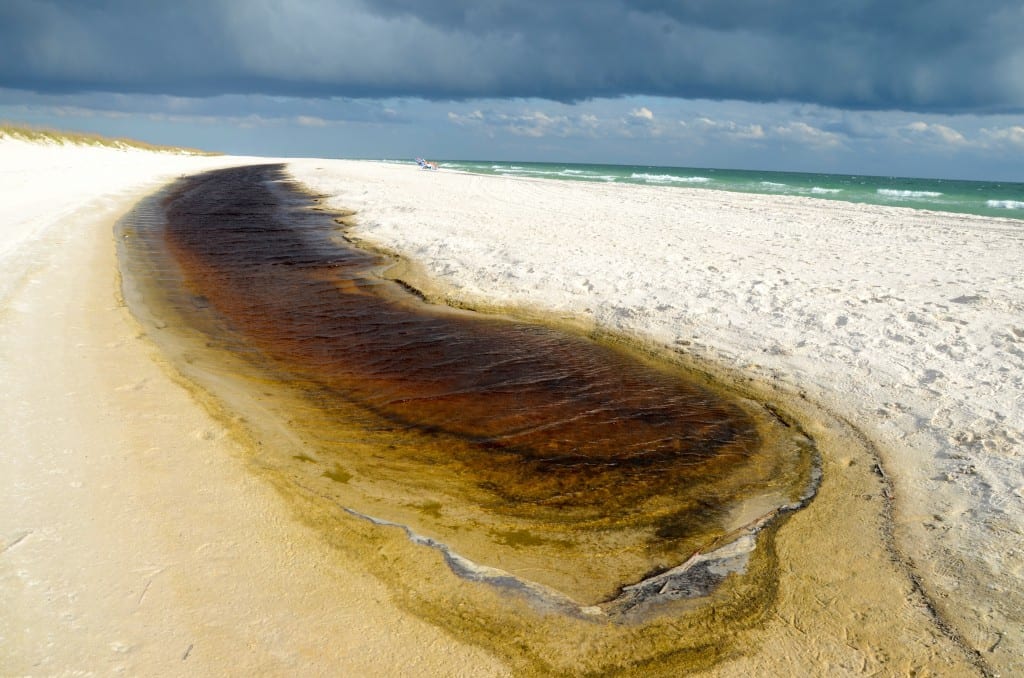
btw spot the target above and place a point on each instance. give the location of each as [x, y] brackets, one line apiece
[134, 537]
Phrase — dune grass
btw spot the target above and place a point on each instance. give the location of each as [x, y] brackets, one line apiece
[49, 135]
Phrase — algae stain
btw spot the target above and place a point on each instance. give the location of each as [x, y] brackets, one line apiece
[430, 508]
[522, 538]
[337, 474]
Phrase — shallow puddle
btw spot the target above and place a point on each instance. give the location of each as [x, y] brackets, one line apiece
[579, 475]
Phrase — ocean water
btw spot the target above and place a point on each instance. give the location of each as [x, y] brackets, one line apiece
[998, 199]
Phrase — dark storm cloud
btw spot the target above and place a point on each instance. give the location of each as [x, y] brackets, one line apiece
[938, 55]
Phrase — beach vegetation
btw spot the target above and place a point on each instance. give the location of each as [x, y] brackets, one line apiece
[49, 135]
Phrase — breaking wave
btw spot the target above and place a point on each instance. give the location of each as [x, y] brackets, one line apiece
[894, 193]
[1006, 204]
[668, 178]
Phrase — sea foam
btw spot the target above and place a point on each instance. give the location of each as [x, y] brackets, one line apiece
[1006, 204]
[665, 178]
[894, 193]
[523, 170]
[821, 191]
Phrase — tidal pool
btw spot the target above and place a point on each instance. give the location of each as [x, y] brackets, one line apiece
[574, 475]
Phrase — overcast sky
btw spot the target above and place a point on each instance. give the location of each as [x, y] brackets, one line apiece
[922, 88]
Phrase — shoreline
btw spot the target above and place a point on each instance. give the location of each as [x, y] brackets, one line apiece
[989, 199]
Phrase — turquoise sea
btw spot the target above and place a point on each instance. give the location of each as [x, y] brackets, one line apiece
[1000, 199]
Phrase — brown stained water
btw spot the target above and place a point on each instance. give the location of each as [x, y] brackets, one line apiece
[553, 420]
[576, 465]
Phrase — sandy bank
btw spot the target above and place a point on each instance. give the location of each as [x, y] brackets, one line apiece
[134, 538]
[905, 324]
